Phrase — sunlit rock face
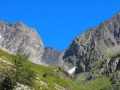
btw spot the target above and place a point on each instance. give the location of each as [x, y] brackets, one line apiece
[91, 47]
[17, 35]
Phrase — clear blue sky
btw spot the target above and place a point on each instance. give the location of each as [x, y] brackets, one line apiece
[58, 22]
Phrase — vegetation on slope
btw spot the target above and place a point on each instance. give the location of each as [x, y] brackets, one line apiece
[105, 77]
[54, 78]
[48, 78]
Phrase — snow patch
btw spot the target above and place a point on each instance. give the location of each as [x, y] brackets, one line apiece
[71, 70]
[0, 36]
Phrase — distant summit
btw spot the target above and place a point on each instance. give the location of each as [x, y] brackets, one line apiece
[52, 56]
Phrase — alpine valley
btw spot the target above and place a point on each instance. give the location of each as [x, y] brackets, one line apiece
[91, 62]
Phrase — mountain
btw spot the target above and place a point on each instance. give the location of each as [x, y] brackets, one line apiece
[92, 59]
[96, 51]
[52, 56]
[47, 77]
[94, 44]
[17, 35]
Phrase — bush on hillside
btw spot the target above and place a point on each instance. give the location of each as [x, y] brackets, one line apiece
[20, 72]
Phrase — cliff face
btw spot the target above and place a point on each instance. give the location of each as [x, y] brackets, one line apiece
[52, 56]
[18, 35]
[92, 55]
[96, 55]
[90, 48]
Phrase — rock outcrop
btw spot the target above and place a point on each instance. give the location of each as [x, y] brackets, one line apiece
[52, 56]
[96, 53]
[18, 35]
[90, 48]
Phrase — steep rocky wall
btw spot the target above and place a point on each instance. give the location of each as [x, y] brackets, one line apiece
[18, 35]
[91, 47]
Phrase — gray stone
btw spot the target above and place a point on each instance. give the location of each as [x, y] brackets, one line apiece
[52, 56]
[18, 35]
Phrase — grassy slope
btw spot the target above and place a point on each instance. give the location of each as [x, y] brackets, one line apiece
[52, 78]
[96, 84]
[99, 83]
[80, 80]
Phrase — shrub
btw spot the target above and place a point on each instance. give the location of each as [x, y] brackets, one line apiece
[20, 72]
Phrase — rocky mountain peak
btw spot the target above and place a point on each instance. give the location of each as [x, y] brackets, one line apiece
[18, 35]
[20, 24]
[94, 44]
[117, 15]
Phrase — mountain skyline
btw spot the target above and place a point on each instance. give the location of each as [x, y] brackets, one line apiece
[92, 56]
[58, 22]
